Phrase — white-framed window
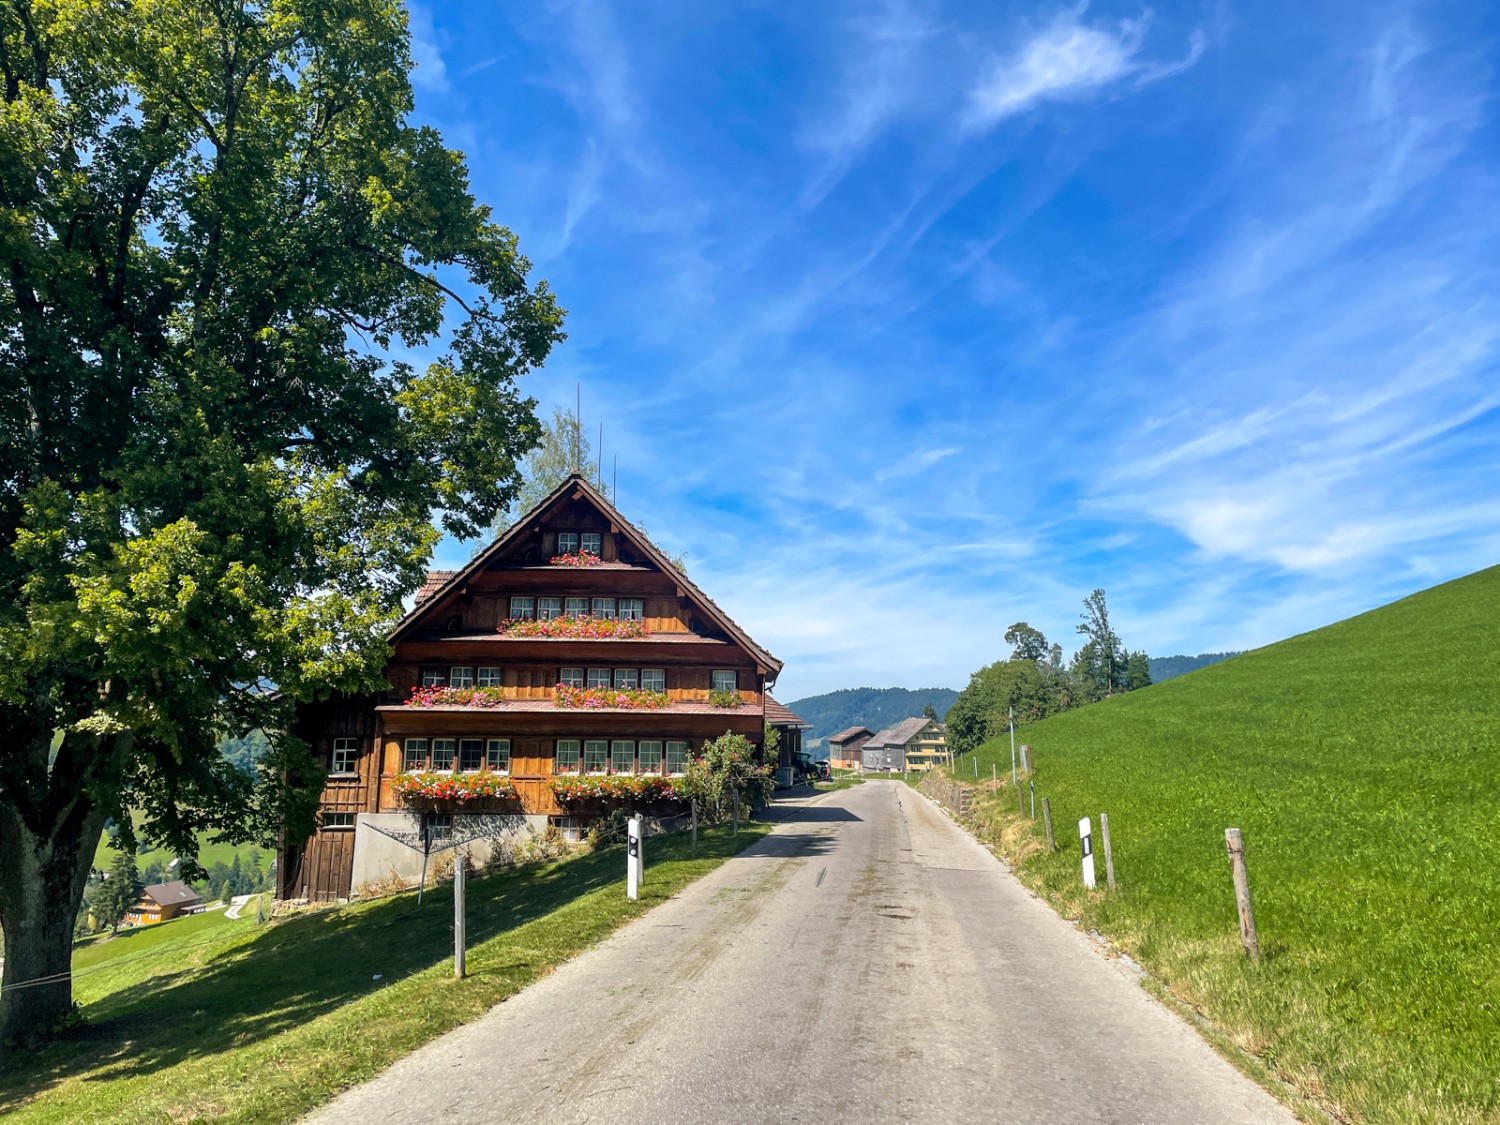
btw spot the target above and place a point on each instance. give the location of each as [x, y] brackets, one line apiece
[576, 607]
[650, 754]
[443, 751]
[497, 755]
[725, 680]
[434, 677]
[594, 752]
[567, 755]
[677, 757]
[489, 677]
[470, 754]
[439, 825]
[570, 827]
[345, 755]
[592, 543]
[599, 678]
[622, 756]
[340, 821]
[548, 608]
[604, 607]
[632, 609]
[653, 679]
[627, 679]
[460, 677]
[522, 608]
[573, 677]
[567, 542]
[415, 756]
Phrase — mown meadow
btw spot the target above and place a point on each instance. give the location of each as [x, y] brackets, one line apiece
[211, 1019]
[1362, 764]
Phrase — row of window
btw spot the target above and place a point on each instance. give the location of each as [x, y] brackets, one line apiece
[530, 608]
[573, 755]
[621, 679]
[589, 542]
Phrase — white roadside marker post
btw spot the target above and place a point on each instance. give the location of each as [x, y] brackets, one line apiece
[633, 858]
[1086, 845]
[460, 966]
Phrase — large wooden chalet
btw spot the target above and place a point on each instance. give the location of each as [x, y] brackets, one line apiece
[570, 646]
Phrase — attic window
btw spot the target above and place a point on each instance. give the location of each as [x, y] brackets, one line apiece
[592, 543]
[567, 542]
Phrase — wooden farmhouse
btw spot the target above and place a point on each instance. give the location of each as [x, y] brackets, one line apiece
[161, 902]
[912, 744]
[568, 669]
[845, 748]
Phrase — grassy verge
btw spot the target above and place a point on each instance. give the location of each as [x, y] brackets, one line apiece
[1362, 763]
[240, 1023]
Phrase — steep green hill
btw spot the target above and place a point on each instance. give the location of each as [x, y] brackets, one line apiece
[867, 707]
[1362, 762]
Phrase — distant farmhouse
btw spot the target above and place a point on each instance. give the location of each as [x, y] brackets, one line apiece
[161, 902]
[568, 668]
[912, 744]
[844, 748]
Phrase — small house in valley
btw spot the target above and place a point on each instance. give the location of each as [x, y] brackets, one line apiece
[912, 744]
[567, 669]
[844, 748]
[161, 902]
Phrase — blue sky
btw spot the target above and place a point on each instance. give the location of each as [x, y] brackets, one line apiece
[908, 321]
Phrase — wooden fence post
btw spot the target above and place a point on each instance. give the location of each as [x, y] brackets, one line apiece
[1236, 847]
[1109, 855]
[1047, 816]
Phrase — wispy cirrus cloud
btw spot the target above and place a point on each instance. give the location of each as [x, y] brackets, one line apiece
[1069, 59]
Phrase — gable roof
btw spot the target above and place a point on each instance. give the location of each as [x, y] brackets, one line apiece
[898, 734]
[577, 486]
[175, 893]
[777, 715]
[851, 734]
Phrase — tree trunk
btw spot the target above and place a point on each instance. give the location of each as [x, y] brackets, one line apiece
[41, 884]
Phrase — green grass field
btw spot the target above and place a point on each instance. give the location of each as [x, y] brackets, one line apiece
[1362, 763]
[210, 1019]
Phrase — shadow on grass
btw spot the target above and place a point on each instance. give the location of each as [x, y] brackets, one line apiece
[304, 967]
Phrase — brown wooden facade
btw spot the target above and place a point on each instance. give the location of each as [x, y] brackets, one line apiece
[452, 635]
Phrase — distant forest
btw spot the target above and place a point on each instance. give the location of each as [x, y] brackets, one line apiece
[1166, 667]
[866, 707]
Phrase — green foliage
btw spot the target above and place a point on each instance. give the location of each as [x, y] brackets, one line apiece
[119, 893]
[1027, 643]
[1362, 763]
[875, 708]
[562, 448]
[722, 767]
[1034, 691]
[219, 228]
[726, 699]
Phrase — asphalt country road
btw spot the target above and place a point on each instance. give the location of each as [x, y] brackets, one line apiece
[868, 961]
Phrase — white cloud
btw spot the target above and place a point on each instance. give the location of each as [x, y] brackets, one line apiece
[430, 73]
[916, 462]
[1069, 59]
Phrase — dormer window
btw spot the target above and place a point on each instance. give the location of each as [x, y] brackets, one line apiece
[592, 543]
[567, 542]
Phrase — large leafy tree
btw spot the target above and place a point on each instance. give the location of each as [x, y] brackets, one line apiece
[218, 229]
